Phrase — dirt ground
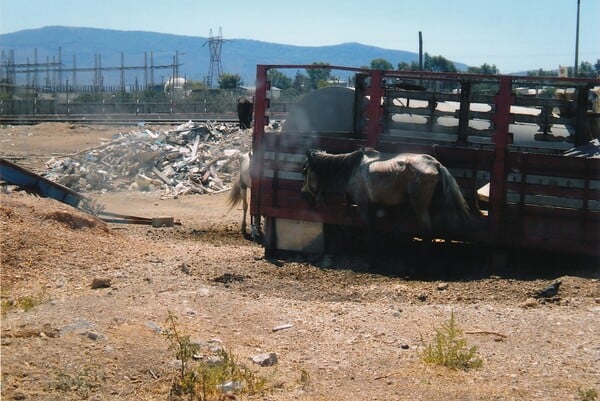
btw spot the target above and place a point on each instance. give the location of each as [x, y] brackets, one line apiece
[351, 333]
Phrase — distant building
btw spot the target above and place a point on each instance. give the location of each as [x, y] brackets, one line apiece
[563, 71]
[176, 86]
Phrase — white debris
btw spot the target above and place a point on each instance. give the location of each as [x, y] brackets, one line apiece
[190, 158]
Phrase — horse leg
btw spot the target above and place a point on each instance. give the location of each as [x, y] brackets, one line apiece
[423, 218]
[420, 202]
[255, 229]
[245, 209]
[373, 245]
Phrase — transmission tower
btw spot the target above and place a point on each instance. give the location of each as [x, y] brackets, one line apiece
[3, 67]
[215, 69]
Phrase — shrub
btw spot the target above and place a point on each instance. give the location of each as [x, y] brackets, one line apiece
[449, 348]
[26, 303]
[208, 379]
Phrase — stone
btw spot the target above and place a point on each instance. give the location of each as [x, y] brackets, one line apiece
[267, 359]
[101, 283]
[529, 303]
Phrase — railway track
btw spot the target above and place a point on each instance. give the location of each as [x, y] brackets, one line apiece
[117, 119]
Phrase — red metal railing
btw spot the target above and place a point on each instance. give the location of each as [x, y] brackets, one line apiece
[278, 197]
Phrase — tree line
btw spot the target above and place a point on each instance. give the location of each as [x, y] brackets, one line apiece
[319, 77]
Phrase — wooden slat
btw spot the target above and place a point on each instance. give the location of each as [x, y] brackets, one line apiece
[553, 165]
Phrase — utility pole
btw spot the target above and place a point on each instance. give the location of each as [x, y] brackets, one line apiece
[420, 51]
[577, 42]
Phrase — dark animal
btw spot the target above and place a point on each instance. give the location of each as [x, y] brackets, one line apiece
[370, 178]
[548, 292]
[239, 192]
[244, 110]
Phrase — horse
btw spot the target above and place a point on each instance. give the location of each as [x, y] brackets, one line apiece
[239, 192]
[369, 178]
[244, 110]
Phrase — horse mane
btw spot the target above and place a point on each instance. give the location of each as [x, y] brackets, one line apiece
[334, 165]
[333, 170]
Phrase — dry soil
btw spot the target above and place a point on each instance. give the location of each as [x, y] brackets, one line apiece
[352, 333]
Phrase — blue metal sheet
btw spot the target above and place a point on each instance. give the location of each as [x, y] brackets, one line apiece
[16, 175]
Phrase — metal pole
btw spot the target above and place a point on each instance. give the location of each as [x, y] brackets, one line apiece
[577, 42]
[60, 67]
[67, 93]
[122, 72]
[420, 51]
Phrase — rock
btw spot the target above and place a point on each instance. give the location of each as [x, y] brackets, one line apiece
[228, 278]
[529, 303]
[267, 359]
[203, 292]
[185, 268]
[422, 297]
[101, 283]
[442, 286]
[92, 335]
[80, 325]
[154, 326]
[231, 386]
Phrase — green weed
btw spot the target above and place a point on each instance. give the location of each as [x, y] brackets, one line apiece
[26, 303]
[83, 383]
[206, 379]
[449, 348]
[588, 394]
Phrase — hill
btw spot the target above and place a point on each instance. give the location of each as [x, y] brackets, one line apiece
[87, 46]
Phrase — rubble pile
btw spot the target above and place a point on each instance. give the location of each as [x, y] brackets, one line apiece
[190, 158]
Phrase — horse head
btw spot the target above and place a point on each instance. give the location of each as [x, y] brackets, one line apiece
[310, 187]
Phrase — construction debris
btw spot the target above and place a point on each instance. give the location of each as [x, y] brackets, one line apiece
[192, 158]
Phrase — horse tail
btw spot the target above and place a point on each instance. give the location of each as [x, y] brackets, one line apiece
[456, 209]
[235, 195]
[239, 184]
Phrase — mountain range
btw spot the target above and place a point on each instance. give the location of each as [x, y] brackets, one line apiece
[87, 47]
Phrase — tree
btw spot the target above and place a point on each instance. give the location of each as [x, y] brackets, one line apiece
[230, 81]
[404, 66]
[153, 95]
[195, 85]
[438, 64]
[122, 96]
[279, 80]
[381, 64]
[545, 73]
[484, 87]
[318, 77]
[300, 83]
[586, 70]
[485, 69]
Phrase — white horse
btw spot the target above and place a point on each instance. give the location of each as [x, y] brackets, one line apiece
[239, 192]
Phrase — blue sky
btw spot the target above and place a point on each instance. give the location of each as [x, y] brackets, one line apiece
[515, 35]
